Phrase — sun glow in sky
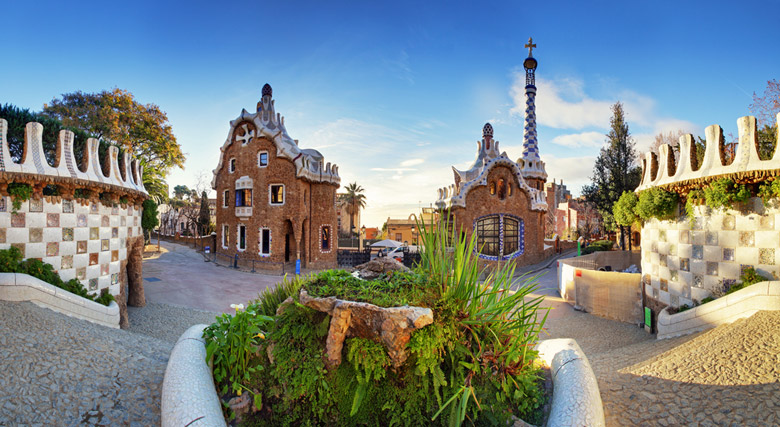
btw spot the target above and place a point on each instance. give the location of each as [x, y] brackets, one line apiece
[396, 93]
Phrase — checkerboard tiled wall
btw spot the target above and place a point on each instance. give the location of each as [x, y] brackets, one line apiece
[685, 260]
[83, 242]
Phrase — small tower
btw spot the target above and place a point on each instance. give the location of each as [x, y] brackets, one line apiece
[532, 165]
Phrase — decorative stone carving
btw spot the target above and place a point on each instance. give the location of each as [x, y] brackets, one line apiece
[391, 326]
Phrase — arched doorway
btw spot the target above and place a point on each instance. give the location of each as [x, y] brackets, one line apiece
[290, 247]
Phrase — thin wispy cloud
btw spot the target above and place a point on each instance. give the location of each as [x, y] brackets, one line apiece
[584, 139]
[412, 162]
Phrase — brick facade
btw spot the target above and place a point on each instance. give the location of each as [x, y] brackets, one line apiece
[302, 224]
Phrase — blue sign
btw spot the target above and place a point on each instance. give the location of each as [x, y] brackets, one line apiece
[297, 266]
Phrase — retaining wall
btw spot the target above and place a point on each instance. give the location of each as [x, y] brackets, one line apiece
[742, 303]
[23, 287]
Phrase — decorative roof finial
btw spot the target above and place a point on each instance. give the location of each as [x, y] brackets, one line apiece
[530, 45]
[487, 130]
[267, 90]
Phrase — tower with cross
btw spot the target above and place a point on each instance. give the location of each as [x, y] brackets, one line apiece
[532, 166]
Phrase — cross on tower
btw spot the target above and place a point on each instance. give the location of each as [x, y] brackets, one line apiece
[530, 45]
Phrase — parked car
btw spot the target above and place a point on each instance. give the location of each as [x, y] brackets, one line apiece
[398, 253]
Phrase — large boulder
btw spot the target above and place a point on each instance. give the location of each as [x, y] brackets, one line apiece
[392, 326]
[376, 267]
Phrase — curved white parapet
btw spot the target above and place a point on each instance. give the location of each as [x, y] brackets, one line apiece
[23, 287]
[576, 398]
[189, 397]
[742, 303]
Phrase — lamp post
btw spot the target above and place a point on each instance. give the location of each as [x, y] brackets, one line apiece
[414, 236]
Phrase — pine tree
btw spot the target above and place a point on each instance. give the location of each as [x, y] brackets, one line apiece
[615, 170]
[204, 218]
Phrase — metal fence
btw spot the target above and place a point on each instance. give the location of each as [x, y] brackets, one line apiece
[348, 258]
[249, 264]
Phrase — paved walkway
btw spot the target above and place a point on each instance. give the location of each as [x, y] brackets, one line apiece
[180, 276]
[726, 376]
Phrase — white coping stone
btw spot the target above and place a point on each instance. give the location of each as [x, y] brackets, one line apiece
[741, 304]
[576, 397]
[22, 287]
[189, 397]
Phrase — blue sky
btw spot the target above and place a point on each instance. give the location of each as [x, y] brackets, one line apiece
[396, 93]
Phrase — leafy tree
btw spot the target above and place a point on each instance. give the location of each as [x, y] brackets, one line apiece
[18, 118]
[204, 217]
[623, 209]
[615, 171]
[181, 191]
[354, 200]
[149, 218]
[116, 117]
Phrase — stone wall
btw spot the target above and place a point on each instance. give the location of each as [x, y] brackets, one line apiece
[684, 260]
[91, 237]
[688, 259]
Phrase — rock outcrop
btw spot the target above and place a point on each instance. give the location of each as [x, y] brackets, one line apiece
[392, 326]
[376, 267]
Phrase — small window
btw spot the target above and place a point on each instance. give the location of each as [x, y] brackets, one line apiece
[241, 237]
[509, 190]
[262, 159]
[501, 189]
[325, 238]
[398, 237]
[225, 236]
[277, 194]
[232, 165]
[492, 188]
[244, 197]
[265, 241]
[225, 197]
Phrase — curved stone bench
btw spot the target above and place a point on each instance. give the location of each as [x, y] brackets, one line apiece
[742, 303]
[23, 287]
[189, 397]
[576, 398]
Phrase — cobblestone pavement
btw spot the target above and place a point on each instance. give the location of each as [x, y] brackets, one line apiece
[57, 370]
[729, 375]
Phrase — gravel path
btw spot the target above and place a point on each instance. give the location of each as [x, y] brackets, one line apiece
[726, 376]
[57, 370]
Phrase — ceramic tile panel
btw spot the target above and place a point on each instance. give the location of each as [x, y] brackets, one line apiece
[93, 284]
[3, 205]
[766, 222]
[67, 234]
[728, 222]
[698, 281]
[36, 235]
[728, 254]
[94, 233]
[81, 273]
[698, 267]
[36, 205]
[685, 264]
[114, 232]
[67, 206]
[698, 223]
[104, 222]
[93, 259]
[766, 256]
[712, 268]
[711, 238]
[697, 237]
[2, 235]
[52, 249]
[115, 255]
[52, 220]
[18, 219]
[82, 220]
[746, 238]
[697, 252]
[104, 269]
[123, 221]
[81, 247]
[115, 278]
[94, 208]
[674, 300]
[104, 246]
[66, 262]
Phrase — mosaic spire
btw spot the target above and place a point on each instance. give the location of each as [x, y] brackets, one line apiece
[532, 164]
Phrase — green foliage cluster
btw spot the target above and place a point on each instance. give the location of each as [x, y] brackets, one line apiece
[19, 193]
[723, 193]
[749, 277]
[657, 203]
[769, 191]
[475, 364]
[624, 209]
[390, 290]
[598, 246]
[11, 261]
[231, 342]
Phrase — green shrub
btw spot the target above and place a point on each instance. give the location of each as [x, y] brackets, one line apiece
[624, 209]
[657, 203]
[11, 261]
[749, 277]
[270, 298]
[723, 193]
[19, 193]
[598, 246]
[769, 191]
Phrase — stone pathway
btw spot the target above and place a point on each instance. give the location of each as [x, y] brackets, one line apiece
[725, 376]
[57, 370]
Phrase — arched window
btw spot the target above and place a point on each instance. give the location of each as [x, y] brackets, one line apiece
[492, 188]
[499, 237]
[509, 189]
[501, 189]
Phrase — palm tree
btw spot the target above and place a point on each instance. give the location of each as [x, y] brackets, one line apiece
[355, 200]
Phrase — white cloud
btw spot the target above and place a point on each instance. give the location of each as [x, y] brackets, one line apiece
[412, 162]
[574, 171]
[561, 104]
[584, 139]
